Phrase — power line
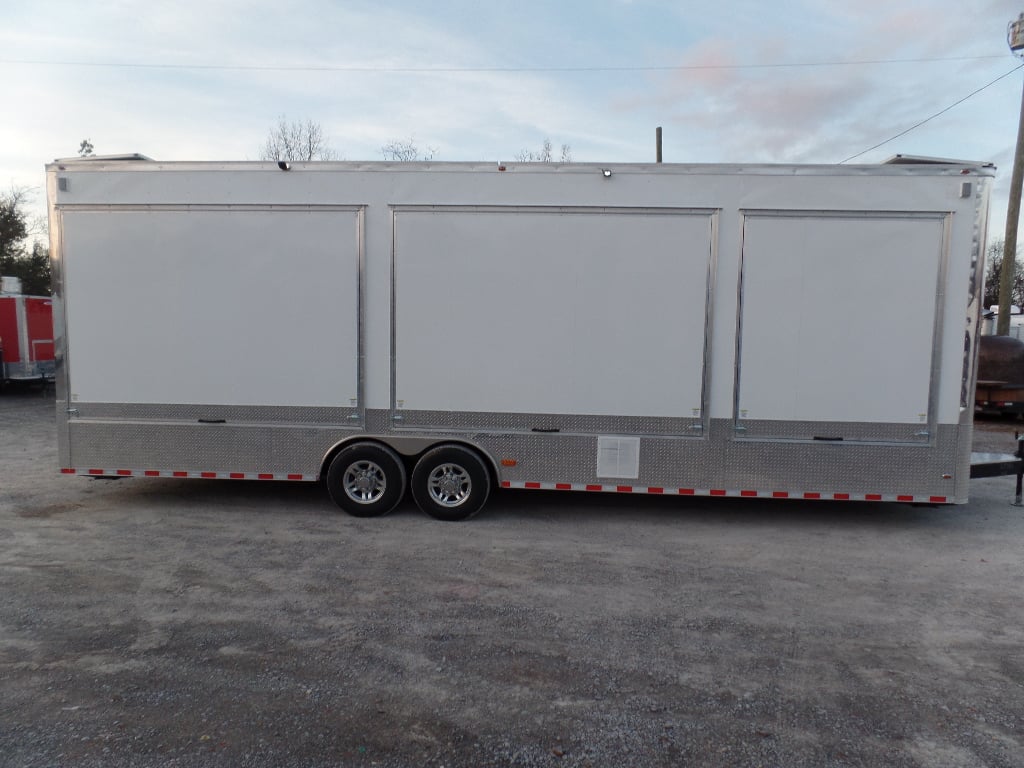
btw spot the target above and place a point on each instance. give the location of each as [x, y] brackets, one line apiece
[478, 70]
[932, 117]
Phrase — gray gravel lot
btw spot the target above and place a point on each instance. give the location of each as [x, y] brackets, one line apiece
[197, 623]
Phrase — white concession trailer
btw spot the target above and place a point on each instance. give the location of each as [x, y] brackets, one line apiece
[778, 331]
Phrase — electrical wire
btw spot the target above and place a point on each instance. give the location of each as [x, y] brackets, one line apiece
[932, 117]
[472, 70]
[475, 70]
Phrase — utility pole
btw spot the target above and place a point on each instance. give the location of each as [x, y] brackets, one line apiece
[657, 144]
[1015, 39]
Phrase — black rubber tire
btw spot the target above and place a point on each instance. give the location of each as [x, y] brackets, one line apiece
[373, 472]
[451, 483]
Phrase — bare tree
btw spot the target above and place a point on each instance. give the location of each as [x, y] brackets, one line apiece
[994, 270]
[405, 150]
[16, 226]
[545, 154]
[297, 142]
[85, 149]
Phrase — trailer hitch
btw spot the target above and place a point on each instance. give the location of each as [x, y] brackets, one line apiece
[1002, 465]
[1017, 502]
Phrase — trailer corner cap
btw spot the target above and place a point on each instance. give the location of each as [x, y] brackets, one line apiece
[923, 160]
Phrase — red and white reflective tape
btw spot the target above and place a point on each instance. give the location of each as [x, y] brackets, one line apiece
[188, 474]
[657, 490]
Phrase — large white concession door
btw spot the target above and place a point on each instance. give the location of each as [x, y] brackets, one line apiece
[212, 306]
[838, 318]
[564, 311]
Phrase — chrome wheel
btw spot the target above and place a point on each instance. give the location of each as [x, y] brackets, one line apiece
[449, 485]
[366, 479]
[450, 482]
[364, 482]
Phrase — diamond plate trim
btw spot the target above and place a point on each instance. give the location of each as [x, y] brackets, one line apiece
[719, 462]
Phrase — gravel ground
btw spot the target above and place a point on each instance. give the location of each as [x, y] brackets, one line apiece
[196, 623]
[996, 435]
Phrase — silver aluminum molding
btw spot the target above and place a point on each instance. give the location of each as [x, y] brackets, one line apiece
[937, 327]
[585, 209]
[360, 416]
[58, 287]
[803, 213]
[211, 207]
[738, 342]
[839, 432]
[973, 168]
[188, 413]
[972, 336]
[975, 298]
[393, 331]
[709, 317]
[460, 422]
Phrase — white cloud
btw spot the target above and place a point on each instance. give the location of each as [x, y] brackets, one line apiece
[818, 114]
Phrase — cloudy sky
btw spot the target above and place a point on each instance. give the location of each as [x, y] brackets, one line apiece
[814, 81]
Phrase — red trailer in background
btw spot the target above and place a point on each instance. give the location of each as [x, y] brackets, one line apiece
[26, 335]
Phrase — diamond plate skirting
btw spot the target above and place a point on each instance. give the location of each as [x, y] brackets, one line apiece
[259, 443]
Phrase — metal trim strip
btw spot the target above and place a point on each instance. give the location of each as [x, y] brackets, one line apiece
[973, 168]
[824, 213]
[725, 492]
[394, 416]
[570, 209]
[504, 422]
[359, 418]
[232, 415]
[212, 207]
[58, 289]
[709, 322]
[975, 296]
[937, 327]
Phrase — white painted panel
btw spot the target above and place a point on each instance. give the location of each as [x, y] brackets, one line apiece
[551, 312]
[838, 318]
[217, 307]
